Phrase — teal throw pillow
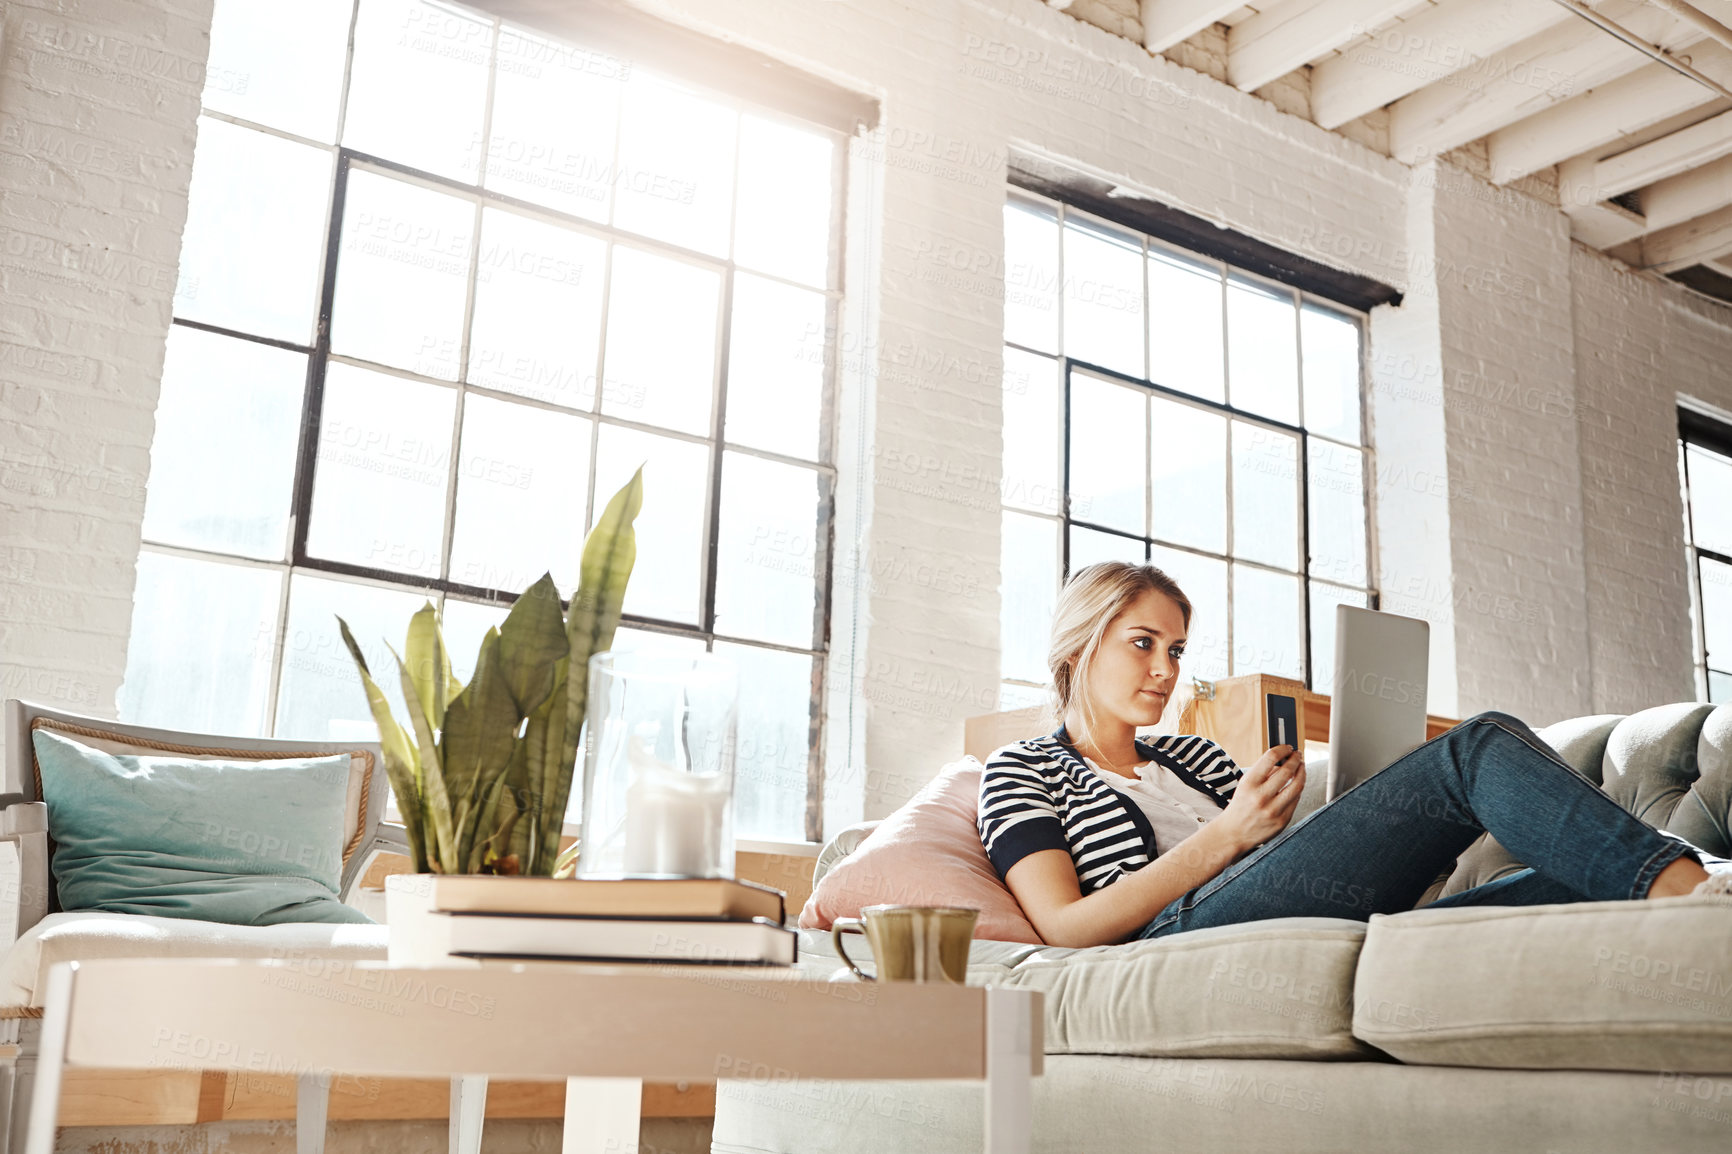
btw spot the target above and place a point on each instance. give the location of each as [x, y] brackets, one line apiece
[250, 843]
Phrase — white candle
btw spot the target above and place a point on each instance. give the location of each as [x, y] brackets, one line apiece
[673, 820]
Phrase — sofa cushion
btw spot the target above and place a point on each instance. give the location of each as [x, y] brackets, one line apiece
[1271, 989]
[251, 842]
[927, 853]
[1587, 986]
[70, 937]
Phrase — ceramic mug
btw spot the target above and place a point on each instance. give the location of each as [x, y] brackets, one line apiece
[911, 943]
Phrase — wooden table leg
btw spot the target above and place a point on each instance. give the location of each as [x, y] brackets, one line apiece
[601, 1115]
[312, 1108]
[468, 1110]
[1009, 1085]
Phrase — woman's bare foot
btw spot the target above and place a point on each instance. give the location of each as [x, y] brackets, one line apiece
[1678, 879]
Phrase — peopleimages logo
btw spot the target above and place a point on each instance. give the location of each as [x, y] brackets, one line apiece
[1401, 692]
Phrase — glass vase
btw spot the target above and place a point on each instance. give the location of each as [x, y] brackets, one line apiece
[658, 770]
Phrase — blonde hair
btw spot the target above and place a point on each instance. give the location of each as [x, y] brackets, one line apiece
[1086, 606]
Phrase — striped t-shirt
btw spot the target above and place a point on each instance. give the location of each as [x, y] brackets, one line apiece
[1038, 794]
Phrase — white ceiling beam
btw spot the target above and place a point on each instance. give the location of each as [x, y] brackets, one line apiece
[1596, 222]
[1537, 73]
[1452, 37]
[1688, 195]
[1670, 155]
[1290, 35]
[1166, 22]
[1622, 107]
[1683, 245]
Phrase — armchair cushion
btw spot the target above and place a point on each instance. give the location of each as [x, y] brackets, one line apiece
[239, 842]
[328, 949]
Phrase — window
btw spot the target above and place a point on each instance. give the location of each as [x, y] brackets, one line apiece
[1165, 407]
[446, 284]
[1705, 475]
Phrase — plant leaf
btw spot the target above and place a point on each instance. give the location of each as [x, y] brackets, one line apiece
[429, 664]
[543, 743]
[402, 766]
[531, 640]
[442, 852]
[480, 728]
[608, 557]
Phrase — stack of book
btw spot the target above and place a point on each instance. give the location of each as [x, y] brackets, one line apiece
[699, 921]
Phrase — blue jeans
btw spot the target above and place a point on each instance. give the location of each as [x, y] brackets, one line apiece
[1378, 847]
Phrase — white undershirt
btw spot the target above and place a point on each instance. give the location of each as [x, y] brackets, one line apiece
[1175, 809]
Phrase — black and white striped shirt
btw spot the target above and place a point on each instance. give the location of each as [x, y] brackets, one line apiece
[1038, 794]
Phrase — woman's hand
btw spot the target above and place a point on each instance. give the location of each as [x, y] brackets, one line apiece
[1264, 800]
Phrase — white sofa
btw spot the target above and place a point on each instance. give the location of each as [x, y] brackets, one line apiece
[1601, 1026]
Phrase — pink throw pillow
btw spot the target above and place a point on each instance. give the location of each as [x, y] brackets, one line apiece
[927, 853]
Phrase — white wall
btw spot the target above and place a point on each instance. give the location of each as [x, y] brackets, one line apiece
[1517, 510]
[98, 100]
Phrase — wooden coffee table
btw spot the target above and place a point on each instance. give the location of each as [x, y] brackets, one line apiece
[603, 1028]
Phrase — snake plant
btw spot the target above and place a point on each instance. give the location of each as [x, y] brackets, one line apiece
[482, 773]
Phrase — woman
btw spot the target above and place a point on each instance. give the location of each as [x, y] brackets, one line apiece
[1104, 838]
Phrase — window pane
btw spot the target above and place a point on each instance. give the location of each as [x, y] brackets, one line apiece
[402, 276]
[255, 225]
[1719, 686]
[379, 485]
[320, 696]
[1717, 610]
[1204, 582]
[1022, 696]
[1324, 599]
[465, 624]
[776, 357]
[1185, 325]
[418, 85]
[1189, 471]
[1336, 480]
[279, 64]
[555, 111]
[661, 341]
[203, 634]
[1103, 296]
[537, 324]
[671, 538]
[1262, 352]
[1266, 623]
[222, 460]
[1091, 546]
[1331, 344]
[1028, 592]
[782, 223]
[1030, 275]
[676, 166]
[1032, 420]
[771, 756]
[1710, 499]
[522, 474]
[1265, 495]
[768, 551]
[1108, 454]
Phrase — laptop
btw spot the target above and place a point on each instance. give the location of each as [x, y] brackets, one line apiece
[1377, 712]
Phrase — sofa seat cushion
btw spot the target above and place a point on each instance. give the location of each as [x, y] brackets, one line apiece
[68, 937]
[1586, 986]
[1272, 989]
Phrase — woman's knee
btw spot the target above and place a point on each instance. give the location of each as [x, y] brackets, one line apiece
[1508, 720]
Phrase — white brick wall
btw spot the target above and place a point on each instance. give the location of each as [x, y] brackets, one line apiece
[98, 101]
[1515, 511]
